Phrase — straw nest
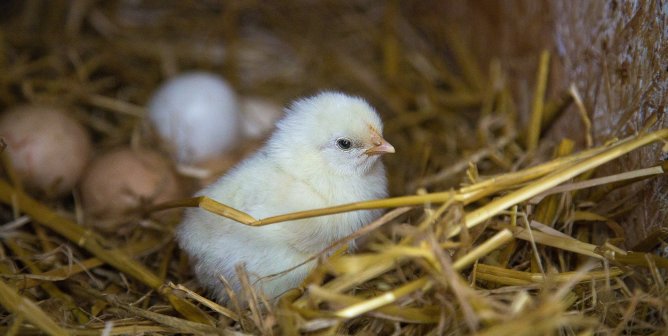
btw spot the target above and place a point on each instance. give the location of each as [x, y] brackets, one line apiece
[492, 231]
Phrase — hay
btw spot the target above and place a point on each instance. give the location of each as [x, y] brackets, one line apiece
[488, 233]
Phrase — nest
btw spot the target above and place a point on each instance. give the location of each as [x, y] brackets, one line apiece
[493, 228]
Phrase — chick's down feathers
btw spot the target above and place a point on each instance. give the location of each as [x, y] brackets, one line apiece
[324, 152]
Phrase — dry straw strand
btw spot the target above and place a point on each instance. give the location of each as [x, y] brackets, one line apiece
[22, 306]
[90, 241]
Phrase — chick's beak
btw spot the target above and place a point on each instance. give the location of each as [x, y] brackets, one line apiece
[380, 145]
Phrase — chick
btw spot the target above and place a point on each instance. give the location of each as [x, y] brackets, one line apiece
[324, 152]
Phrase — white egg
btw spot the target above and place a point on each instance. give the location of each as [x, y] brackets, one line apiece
[197, 114]
[258, 116]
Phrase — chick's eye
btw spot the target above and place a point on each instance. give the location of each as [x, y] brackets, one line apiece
[344, 144]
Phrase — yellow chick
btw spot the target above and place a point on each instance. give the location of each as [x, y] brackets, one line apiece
[324, 152]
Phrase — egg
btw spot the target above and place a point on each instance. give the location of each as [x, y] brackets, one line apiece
[197, 115]
[118, 185]
[258, 116]
[47, 147]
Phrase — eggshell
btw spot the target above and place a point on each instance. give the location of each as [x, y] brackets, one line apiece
[258, 116]
[47, 147]
[197, 115]
[118, 184]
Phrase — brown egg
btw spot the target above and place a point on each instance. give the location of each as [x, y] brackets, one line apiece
[48, 148]
[120, 183]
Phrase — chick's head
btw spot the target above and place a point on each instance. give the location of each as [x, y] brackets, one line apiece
[330, 131]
